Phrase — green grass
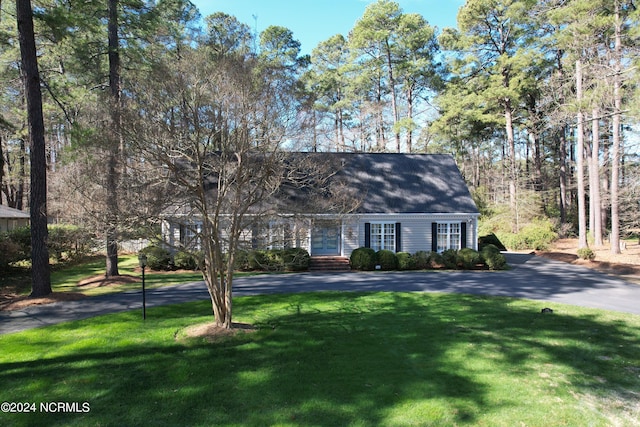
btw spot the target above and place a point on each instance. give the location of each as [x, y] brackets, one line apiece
[67, 278]
[344, 359]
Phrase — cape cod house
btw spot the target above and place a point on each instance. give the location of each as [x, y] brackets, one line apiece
[405, 202]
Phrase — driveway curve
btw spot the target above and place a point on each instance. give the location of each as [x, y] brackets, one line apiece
[530, 277]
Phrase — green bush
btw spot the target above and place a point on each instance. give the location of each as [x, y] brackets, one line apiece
[436, 260]
[386, 259]
[258, 259]
[421, 259]
[69, 241]
[22, 238]
[536, 235]
[291, 259]
[63, 242]
[185, 261]
[10, 251]
[450, 259]
[469, 258]
[363, 259]
[241, 262]
[490, 239]
[296, 259]
[586, 253]
[157, 258]
[406, 261]
[492, 258]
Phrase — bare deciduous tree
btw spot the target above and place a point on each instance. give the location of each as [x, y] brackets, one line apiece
[214, 129]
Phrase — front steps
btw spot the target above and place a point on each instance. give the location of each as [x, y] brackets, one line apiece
[329, 263]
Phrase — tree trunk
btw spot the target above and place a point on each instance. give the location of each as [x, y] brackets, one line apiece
[1, 169]
[114, 143]
[594, 181]
[616, 145]
[410, 117]
[394, 96]
[40, 274]
[508, 115]
[582, 219]
[562, 154]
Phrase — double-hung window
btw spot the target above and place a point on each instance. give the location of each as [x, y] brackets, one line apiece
[383, 236]
[449, 236]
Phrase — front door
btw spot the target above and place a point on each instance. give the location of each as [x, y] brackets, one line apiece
[325, 239]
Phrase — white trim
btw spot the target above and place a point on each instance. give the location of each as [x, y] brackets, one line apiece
[448, 244]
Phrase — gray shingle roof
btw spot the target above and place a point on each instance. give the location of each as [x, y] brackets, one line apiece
[406, 183]
[7, 212]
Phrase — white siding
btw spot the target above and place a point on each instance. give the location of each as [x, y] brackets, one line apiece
[415, 230]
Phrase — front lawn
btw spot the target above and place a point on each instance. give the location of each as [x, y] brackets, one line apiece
[360, 359]
[76, 278]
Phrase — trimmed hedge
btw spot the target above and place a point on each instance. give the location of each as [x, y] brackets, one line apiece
[157, 258]
[492, 258]
[468, 259]
[386, 259]
[422, 260]
[363, 259]
[183, 260]
[406, 261]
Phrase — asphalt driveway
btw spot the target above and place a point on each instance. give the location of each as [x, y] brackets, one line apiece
[530, 277]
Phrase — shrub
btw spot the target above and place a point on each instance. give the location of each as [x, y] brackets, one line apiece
[242, 261]
[490, 239]
[363, 259]
[258, 260]
[436, 260]
[157, 258]
[275, 260]
[291, 259]
[10, 251]
[492, 257]
[469, 258]
[536, 235]
[68, 241]
[296, 259]
[406, 261]
[450, 259]
[586, 253]
[22, 238]
[421, 259]
[386, 259]
[185, 261]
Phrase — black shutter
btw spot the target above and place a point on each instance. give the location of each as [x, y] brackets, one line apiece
[367, 235]
[434, 236]
[463, 235]
[398, 237]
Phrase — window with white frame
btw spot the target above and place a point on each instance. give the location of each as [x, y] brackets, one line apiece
[449, 235]
[383, 236]
[190, 235]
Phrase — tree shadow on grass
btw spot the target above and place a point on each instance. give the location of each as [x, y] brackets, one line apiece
[329, 359]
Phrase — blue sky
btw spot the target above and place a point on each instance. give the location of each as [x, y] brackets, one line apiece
[313, 21]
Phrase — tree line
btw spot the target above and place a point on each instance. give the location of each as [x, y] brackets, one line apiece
[536, 100]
